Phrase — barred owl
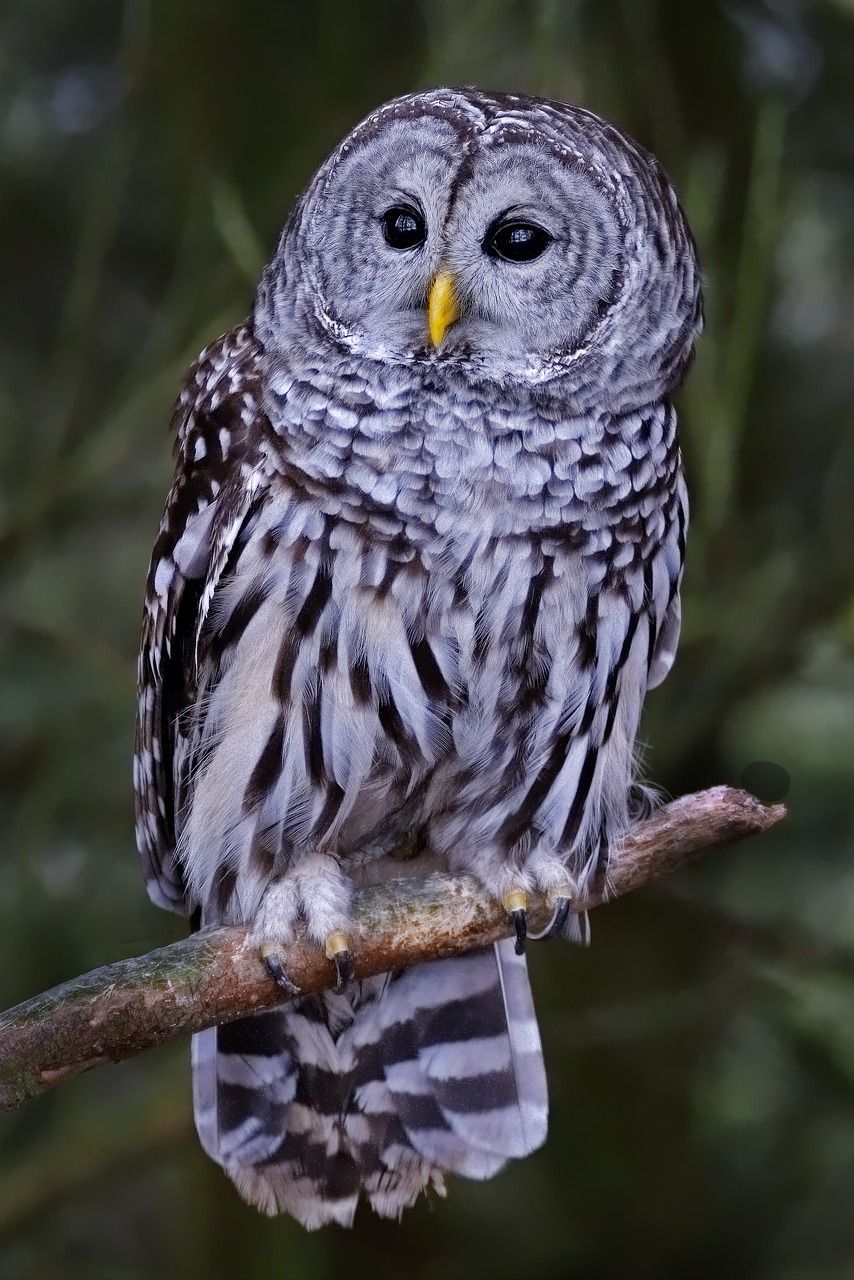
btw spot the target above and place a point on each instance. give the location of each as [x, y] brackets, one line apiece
[418, 567]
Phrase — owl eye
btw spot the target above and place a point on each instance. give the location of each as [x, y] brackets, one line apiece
[516, 241]
[404, 227]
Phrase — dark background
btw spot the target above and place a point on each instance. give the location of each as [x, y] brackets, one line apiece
[701, 1053]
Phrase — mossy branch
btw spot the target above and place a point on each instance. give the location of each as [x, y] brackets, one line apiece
[216, 975]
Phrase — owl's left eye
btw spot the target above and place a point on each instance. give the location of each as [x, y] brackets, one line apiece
[404, 227]
[516, 241]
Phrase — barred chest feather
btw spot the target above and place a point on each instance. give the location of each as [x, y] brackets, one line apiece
[430, 612]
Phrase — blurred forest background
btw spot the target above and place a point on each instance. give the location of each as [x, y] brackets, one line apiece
[701, 1053]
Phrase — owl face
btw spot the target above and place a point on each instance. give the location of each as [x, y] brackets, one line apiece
[531, 245]
[501, 236]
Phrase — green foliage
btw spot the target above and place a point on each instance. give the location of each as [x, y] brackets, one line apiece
[700, 1053]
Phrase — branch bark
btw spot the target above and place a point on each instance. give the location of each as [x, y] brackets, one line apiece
[215, 976]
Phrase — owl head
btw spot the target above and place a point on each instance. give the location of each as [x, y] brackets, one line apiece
[493, 237]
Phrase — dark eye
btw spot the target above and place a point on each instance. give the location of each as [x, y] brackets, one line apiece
[516, 241]
[403, 227]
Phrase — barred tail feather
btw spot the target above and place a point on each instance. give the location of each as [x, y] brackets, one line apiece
[378, 1092]
[473, 1093]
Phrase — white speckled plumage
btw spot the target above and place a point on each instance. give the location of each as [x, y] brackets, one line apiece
[406, 589]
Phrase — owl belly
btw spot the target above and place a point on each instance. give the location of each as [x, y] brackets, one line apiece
[355, 689]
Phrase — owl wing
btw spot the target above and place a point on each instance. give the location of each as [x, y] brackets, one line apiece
[218, 476]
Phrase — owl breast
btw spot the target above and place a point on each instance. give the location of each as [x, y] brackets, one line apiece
[451, 622]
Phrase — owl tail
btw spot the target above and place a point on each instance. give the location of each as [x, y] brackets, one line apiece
[378, 1091]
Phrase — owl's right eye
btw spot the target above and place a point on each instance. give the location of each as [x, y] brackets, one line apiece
[404, 227]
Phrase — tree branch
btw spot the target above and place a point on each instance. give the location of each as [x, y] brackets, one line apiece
[216, 975]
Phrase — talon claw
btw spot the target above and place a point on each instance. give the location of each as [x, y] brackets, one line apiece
[338, 950]
[343, 969]
[520, 921]
[555, 929]
[271, 954]
[515, 904]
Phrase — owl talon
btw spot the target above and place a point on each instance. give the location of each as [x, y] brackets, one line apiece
[338, 950]
[515, 904]
[272, 954]
[520, 922]
[558, 920]
[343, 970]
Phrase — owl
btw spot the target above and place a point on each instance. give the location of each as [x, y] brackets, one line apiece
[418, 567]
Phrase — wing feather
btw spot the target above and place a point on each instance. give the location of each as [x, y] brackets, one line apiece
[218, 475]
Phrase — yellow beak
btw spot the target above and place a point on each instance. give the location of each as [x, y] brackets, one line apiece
[442, 308]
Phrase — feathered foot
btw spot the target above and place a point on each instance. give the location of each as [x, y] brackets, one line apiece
[316, 891]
